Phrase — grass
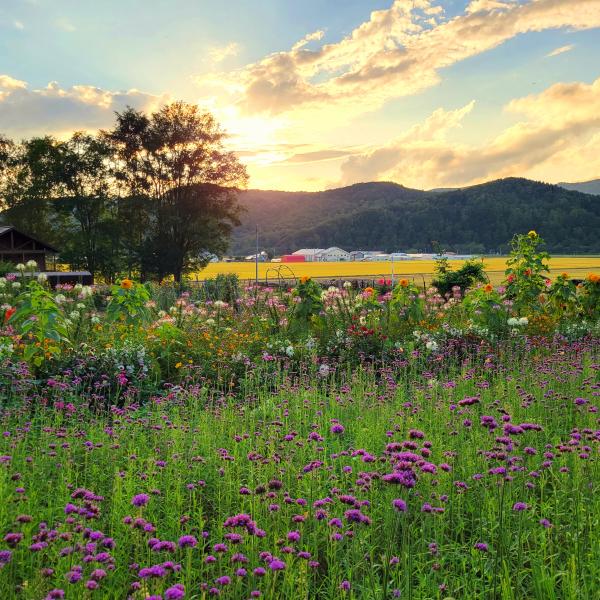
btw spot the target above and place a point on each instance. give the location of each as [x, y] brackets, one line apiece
[203, 458]
[578, 267]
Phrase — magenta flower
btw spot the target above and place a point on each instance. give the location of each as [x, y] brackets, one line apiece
[140, 500]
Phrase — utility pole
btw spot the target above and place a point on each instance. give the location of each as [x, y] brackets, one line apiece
[256, 259]
[392, 269]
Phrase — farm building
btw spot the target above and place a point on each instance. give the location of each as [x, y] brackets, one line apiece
[17, 247]
[333, 254]
[293, 258]
[309, 254]
[363, 254]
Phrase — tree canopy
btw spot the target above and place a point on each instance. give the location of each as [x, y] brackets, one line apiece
[156, 194]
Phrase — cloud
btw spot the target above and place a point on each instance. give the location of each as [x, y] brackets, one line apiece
[399, 51]
[65, 25]
[218, 54]
[18, 25]
[559, 122]
[560, 50]
[311, 37]
[56, 110]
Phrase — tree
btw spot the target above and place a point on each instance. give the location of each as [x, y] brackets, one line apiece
[61, 191]
[176, 159]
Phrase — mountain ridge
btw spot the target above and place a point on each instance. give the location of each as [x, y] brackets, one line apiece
[389, 216]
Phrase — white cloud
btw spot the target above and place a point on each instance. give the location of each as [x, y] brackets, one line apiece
[59, 111]
[218, 54]
[18, 25]
[399, 51]
[65, 25]
[560, 50]
[561, 122]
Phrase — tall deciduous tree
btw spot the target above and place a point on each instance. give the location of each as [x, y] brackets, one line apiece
[176, 160]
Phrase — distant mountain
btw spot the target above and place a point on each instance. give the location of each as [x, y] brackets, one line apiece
[388, 216]
[587, 187]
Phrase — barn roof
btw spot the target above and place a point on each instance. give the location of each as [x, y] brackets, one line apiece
[7, 228]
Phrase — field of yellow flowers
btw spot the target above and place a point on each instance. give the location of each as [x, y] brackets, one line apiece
[419, 270]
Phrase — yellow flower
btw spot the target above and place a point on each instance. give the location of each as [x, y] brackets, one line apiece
[304, 278]
[126, 284]
[532, 234]
[404, 282]
[178, 365]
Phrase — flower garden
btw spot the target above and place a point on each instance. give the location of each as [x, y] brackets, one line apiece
[388, 442]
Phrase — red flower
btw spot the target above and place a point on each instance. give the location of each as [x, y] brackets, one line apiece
[9, 313]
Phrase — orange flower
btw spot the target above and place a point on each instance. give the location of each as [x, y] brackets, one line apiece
[404, 282]
[126, 284]
[593, 278]
[304, 278]
[369, 290]
[564, 275]
[488, 287]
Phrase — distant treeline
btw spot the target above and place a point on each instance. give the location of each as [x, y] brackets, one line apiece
[152, 196]
[388, 217]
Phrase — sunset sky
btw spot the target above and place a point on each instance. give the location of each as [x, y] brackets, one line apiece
[322, 93]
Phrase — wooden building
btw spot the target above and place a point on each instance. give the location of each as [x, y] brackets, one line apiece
[17, 247]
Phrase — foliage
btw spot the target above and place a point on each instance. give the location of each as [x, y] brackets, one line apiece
[41, 323]
[155, 195]
[175, 158]
[129, 303]
[527, 273]
[6, 267]
[468, 274]
[307, 305]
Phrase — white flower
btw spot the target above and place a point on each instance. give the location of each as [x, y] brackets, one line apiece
[162, 313]
[324, 370]
[20, 267]
[16, 285]
[523, 321]
[289, 351]
[219, 304]
[210, 321]
[95, 320]
[31, 264]
[431, 345]
[347, 284]
[2, 281]
[80, 305]
[42, 278]
[59, 298]
[512, 321]
[74, 314]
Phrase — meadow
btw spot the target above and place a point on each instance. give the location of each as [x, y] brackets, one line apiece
[397, 441]
[418, 270]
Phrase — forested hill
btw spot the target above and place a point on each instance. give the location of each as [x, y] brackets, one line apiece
[388, 216]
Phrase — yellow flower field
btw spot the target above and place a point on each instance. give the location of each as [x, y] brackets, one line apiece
[419, 270]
